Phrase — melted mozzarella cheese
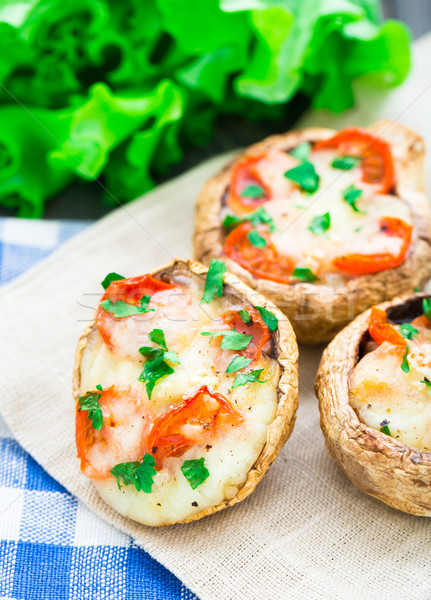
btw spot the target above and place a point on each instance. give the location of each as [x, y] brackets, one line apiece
[229, 456]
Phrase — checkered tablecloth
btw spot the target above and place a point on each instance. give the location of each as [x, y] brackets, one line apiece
[51, 546]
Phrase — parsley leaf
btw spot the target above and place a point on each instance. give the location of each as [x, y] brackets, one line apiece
[426, 307]
[214, 281]
[158, 337]
[320, 224]
[302, 151]
[253, 191]
[405, 364]
[346, 163]
[351, 195]
[305, 176]
[110, 278]
[426, 381]
[258, 217]
[232, 340]
[245, 316]
[244, 378]
[90, 402]
[141, 474]
[408, 331]
[270, 320]
[304, 274]
[123, 309]
[256, 239]
[239, 362]
[385, 429]
[195, 471]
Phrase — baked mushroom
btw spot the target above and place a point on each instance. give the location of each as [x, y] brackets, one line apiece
[323, 223]
[374, 390]
[186, 388]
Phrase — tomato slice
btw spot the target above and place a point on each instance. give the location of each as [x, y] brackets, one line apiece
[195, 421]
[377, 162]
[119, 439]
[363, 264]
[257, 328]
[382, 331]
[263, 263]
[245, 174]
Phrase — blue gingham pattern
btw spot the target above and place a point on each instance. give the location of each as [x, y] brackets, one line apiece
[51, 545]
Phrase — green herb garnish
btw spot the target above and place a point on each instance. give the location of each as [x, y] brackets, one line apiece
[123, 309]
[346, 163]
[214, 281]
[408, 331]
[385, 429]
[405, 364]
[302, 151]
[139, 473]
[426, 381]
[158, 337]
[110, 278]
[258, 217]
[244, 378]
[320, 224]
[156, 366]
[239, 362]
[253, 191]
[90, 402]
[270, 319]
[232, 340]
[256, 239]
[351, 194]
[305, 176]
[245, 316]
[304, 274]
[426, 307]
[195, 471]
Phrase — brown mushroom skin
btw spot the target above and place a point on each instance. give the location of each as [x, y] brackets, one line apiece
[317, 312]
[375, 463]
[285, 352]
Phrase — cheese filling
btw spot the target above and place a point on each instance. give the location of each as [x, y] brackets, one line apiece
[129, 413]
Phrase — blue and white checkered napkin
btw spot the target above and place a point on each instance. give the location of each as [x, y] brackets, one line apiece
[51, 545]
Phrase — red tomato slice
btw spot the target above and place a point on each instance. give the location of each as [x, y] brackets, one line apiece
[263, 263]
[257, 328]
[245, 174]
[119, 440]
[382, 331]
[377, 161]
[128, 290]
[207, 413]
[363, 264]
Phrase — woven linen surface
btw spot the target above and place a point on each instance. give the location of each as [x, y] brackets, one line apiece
[305, 532]
[51, 545]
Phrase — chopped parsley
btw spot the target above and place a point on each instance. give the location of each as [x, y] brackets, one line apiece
[214, 281]
[244, 378]
[258, 217]
[346, 163]
[253, 191]
[305, 176]
[426, 381]
[405, 363]
[195, 471]
[232, 340]
[239, 362]
[304, 274]
[302, 151]
[90, 402]
[320, 224]
[426, 307]
[408, 331]
[139, 473]
[385, 429]
[156, 366]
[123, 309]
[351, 194]
[245, 316]
[270, 320]
[110, 278]
[256, 239]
